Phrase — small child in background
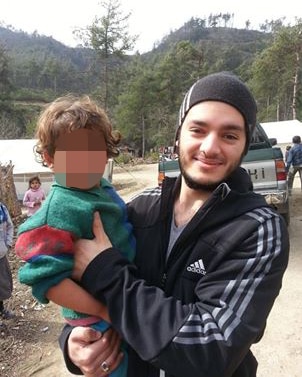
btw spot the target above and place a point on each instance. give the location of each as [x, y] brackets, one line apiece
[287, 149]
[6, 240]
[34, 196]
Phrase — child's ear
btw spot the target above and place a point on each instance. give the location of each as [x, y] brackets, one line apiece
[48, 160]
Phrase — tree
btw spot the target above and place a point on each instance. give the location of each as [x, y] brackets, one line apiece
[8, 194]
[11, 123]
[135, 104]
[147, 109]
[5, 83]
[109, 37]
[295, 36]
[226, 18]
[276, 74]
[247, 24]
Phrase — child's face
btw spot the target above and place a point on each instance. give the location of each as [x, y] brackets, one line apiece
[35, 185]
[80, 159]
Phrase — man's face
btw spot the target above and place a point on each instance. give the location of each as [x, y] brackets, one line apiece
[80, 159]
[211, 144]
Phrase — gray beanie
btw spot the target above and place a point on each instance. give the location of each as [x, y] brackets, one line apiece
[223, 87]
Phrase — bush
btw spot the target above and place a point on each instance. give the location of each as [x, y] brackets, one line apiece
[124, 158]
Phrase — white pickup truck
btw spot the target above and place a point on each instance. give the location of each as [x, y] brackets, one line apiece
[265, 164]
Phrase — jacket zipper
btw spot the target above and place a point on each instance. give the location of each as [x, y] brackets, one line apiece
[163, 280]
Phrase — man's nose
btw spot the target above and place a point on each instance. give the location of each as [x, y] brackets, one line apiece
[210, 144]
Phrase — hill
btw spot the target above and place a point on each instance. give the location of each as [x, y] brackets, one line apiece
[217, 42]
[39, 68]
[22, 46]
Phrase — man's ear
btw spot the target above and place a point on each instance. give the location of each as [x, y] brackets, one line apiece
[47, 159]
[176, 149]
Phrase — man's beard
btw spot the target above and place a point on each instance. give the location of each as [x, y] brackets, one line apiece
[194, 185]
[205, 186]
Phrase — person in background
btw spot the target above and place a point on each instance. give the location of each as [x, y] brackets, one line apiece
[288, 147]
[74, 137]
[34, 196]
[294, 162]
[6, 241]
[210, 257]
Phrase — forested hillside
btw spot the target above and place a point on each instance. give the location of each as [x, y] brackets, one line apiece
[142, 93]
[42, 63]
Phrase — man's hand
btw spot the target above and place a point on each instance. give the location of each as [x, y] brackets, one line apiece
[87, 250]
[88, 349]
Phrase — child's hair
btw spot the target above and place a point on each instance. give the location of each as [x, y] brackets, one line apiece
[70, 113]
[35, 178]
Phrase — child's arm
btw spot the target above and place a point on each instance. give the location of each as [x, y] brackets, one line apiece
[27, 202]
[71, 295]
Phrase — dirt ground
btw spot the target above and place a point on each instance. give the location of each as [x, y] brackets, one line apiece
[28, 343]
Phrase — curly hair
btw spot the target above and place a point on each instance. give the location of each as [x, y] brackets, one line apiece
[69, 113]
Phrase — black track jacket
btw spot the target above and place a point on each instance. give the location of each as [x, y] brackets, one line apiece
[198, 313]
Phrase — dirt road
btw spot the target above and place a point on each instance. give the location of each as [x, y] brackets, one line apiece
[280, 351]
[28, 344]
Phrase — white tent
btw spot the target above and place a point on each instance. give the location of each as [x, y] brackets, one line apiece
[20, 153]
[283, 131]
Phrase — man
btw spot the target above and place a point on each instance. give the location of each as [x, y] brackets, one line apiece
[210, 255]
[294, 159]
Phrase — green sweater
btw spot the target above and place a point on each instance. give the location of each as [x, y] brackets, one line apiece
[45, 240]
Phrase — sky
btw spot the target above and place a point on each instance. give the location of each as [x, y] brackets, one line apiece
[150, 20]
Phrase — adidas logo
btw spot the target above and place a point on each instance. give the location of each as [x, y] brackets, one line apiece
[197, 267]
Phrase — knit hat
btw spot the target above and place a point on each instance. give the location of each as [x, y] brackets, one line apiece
[223, 87]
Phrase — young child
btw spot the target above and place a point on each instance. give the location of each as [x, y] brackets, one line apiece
[287, 149]
[75, 138]
[33, 196]
[6, 240]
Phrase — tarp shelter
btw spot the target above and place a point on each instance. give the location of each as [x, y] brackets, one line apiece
[283, 131]
[20, 152]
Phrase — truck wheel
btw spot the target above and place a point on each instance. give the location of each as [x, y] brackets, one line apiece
[286, 218]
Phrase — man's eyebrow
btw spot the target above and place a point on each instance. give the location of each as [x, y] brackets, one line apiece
[227, 126]
[197, 122]
[234, 127]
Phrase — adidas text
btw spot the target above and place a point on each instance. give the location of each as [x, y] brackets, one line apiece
[197, 267]
[197, 270]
